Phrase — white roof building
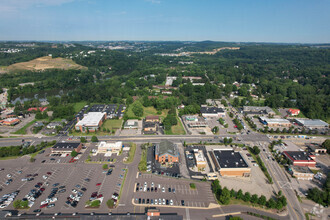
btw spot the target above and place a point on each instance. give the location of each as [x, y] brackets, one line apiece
[92, 121]
[109, 148]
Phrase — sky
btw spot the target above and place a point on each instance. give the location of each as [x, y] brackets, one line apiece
[287, 21]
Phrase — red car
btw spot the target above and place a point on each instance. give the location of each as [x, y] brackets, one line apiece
[39, 184]
[98, 184]
[49, 173]
[42, 189]
[99, 196]
[44, 205]
[94, 194]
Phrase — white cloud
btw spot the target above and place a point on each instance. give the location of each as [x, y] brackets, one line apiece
[17, 5]
[154, 1]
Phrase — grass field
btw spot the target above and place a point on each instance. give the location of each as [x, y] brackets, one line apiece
[146, 111]
[43, 63]
[78, 106]
[176, 129]
[112, 124]
[23, 129]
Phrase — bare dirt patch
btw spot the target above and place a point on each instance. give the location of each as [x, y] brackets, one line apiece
[44, 63]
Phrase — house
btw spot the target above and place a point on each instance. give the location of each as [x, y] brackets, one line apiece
[150, 127]
[10, 121]
[53, 125]
[212, 112]
[166, 152]
[131, 124]
[66, 147]
[42, 109]
[275, 122]
[293, 112]
[301, 173]
[230, 163]
[299, 158]
[109, 148]
[152, 118]
[91, 121]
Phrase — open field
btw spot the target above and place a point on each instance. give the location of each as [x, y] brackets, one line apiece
[112, 124]
[44, 63]
[78, 106]
[146, 111]
[176, 129]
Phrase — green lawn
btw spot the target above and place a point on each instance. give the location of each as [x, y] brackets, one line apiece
[112, 124]
[23, 129]
[176, 129]
[78, 106]
[146, 111]
[131, 153]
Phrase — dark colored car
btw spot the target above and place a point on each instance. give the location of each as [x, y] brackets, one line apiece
[182, 202]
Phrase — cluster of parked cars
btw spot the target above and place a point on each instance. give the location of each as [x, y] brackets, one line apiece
[7, 199]
[158, 201]
[74, 198]
[162, 173]
[152, 188]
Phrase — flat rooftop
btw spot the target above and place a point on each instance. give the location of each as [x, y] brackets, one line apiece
[312, 122]
[230, 159]
[91, 119]
[301, 169]
[298, 155]
[274, 120]
[212, 110]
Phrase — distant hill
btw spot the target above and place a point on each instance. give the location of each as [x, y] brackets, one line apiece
[43, 63]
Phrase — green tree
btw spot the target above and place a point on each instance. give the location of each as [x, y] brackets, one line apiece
[94, 139]
[110, 203]
[262, 200]
[247, 197]
[254, 198]
[105, 166]
[137, 108]
[239, 194]
[326, 145]
[225, 196]
[83, 140]
[74, 153]
[256, 150]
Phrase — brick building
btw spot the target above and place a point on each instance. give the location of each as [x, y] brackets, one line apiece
[167, 152]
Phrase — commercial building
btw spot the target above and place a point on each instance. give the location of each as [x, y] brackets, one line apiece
[312, 123]
[197, 125]
[66, 148]
[91, 122]
[191, 118]
[109, 148]
[230, 163]
[301, 173]
[200, 159]
[213, 112]
[300, 158]
[152, 118]
[166, 152]
[275, 122]
[10, 121]
[316, 148]
[293, 112]
[53, 125]
[131, 124]
[257, 110]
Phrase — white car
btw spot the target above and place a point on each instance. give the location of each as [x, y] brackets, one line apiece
[24, 179]
[9, 175]
[53, 199]
[160, 201]
[44, 202]
[163, 189]
[164, 202]
[2, 206]
[171, 202]
[74, 191]
[156, 202]
[152, 184]
[45, 177]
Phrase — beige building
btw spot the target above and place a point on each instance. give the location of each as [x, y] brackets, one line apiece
[302, 173]
[109, 148]
[200, 159]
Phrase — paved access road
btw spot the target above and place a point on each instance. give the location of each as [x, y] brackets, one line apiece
[282, 183]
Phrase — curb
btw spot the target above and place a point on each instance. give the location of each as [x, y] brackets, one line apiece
[211, 206]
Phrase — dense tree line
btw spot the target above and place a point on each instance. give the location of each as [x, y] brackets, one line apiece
[20, 150]
[224, 195]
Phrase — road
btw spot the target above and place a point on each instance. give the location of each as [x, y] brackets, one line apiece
[282, 182]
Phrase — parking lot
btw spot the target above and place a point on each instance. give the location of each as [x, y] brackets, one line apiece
[160, 191]
[61, 187]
